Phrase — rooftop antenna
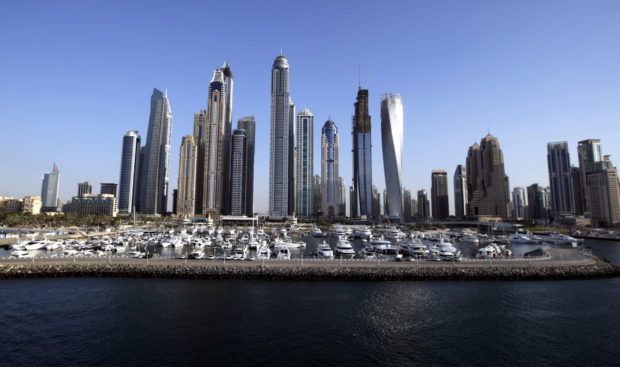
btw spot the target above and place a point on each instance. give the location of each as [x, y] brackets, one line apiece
[280, 51]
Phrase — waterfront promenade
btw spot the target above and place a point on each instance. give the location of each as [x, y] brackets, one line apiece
[560, 264]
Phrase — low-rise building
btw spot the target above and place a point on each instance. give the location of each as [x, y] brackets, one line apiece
[32, 205]
[94, 204]
[9, 204]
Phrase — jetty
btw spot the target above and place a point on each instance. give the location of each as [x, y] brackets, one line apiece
[559, 264]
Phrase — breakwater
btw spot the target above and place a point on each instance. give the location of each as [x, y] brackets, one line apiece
[593, 269]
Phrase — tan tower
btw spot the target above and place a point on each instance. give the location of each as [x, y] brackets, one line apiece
[186, 197]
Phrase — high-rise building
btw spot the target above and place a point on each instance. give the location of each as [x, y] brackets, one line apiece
[175, 199]
[305, 163]
[318, 202]
[519, 202]
[108, 188]
[386, 205]
[201, 127]
[536, 202]
[460, 191]
[407, 209]
[238, 173]
[376, 203]
[603, 194]
[362, 157]
[249, 125]
[486, 180]
[560, 181]
[49, 190]
[154, 181]
[128, 181]
[414, 208]
[84, 188]
[188, 161]
[342, 197]
[392, 143]
[439, 194]
[330, 192]
[352, 201]
[589, 153]
[578, 190]
[423, 205]
[281, 154]
[215, 134]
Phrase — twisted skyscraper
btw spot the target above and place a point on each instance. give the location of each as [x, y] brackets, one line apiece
[392, 142]
[282, 147]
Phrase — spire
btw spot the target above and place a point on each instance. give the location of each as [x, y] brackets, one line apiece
[280, 51]
[55, 169]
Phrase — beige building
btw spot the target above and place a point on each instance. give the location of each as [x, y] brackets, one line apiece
[9, 204]
[94, 204]
[186, 196]
[32, 205]
[486, 180]
[603, 192]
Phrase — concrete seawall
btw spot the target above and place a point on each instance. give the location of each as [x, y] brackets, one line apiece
[592, 269]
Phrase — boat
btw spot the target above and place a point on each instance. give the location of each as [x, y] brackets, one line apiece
[324, 250]
[469, 238]
[367, 253]
[36, 245]
[284, 253]
[522, 239]
[343, 247]
[240, 253]
[20, 254]
[196, 255]
[414, 248]
[263, 253]
[561, 239]
[316, 232]
[364, 234]
[383, 246]
[394, 234]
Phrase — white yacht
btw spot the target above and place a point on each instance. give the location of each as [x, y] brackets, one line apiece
[561, 239]
[343, 247]
[324, 250]
[414, 248]
[383, 246]
[316, 232]
[367, 253]
[364, 234]
[394, 234]
[240, 253]
[284, 253]
[263, 253]
[36, 245]
[469, 238]
[19, 254]
[520, 238]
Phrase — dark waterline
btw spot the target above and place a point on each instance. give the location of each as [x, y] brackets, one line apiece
[106, 322]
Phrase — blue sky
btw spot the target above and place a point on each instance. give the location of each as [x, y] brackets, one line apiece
[74, 76]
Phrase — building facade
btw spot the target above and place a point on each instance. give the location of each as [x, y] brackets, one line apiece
[249, 125]
[186, 189]
[460, 191]
[238, 173]
[155, 165]
[407, 209]
[129, 176]
[94, 204]
[486, 180]
[32, 205]
[108, 188]
[392, 143]
[342, 197]
[560, 181]
[84, 188]
[423, 205]
[589, 153]
[49, 190]
[536, 203]
[439, 195]
[362, 157]
[519, 203]
[603, 194]
[318, 201]
[330, 193]
[305, 164]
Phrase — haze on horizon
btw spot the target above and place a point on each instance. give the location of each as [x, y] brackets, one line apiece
[76, 76]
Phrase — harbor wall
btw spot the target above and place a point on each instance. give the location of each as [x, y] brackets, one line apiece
[593, 270]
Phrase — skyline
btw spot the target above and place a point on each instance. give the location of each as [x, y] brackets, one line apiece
[555, 80]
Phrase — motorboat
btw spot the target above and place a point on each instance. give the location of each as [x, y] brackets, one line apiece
[36, 245]
[561, 239]
[414, 248]
[394, 234]
[469, 238]
[20, 254]
[343, 247]
[383, 246]
[196, 255]
[367, 253]
[240, 253]
[522, 239]
[284, 253]
[316, 232]
[364, 234]
[324, 250]
[263, 253]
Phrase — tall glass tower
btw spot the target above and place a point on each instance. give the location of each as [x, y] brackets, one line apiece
[392, 142]
[249, 125]
[460, 191]
[49, 190]
[154, 190]
[305, 164]
[330, 185]
[560, 179]
[281, 152]
[362, 157]
[238, 172]
[128, 181]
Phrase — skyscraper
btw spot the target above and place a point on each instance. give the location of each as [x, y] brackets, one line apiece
[578, 191]
[460, 191]
[186, 194]
[238, 173]
[249, 125]
[342, 197]
[330, 192]
[154, 190]
[589, 152]
[392, 143]
[376, 203]
[318, 202]
[519, 202]
[281, 154]
[129, 176]
[362, 157]
[439, 194]
[49, 190]
[84, 188]
[603, 194]
[486, 180]
[305, 163]
[407, 209]
[201, 126]
[558, 161]
[423, 205]
[536, 202]
[215, 145]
